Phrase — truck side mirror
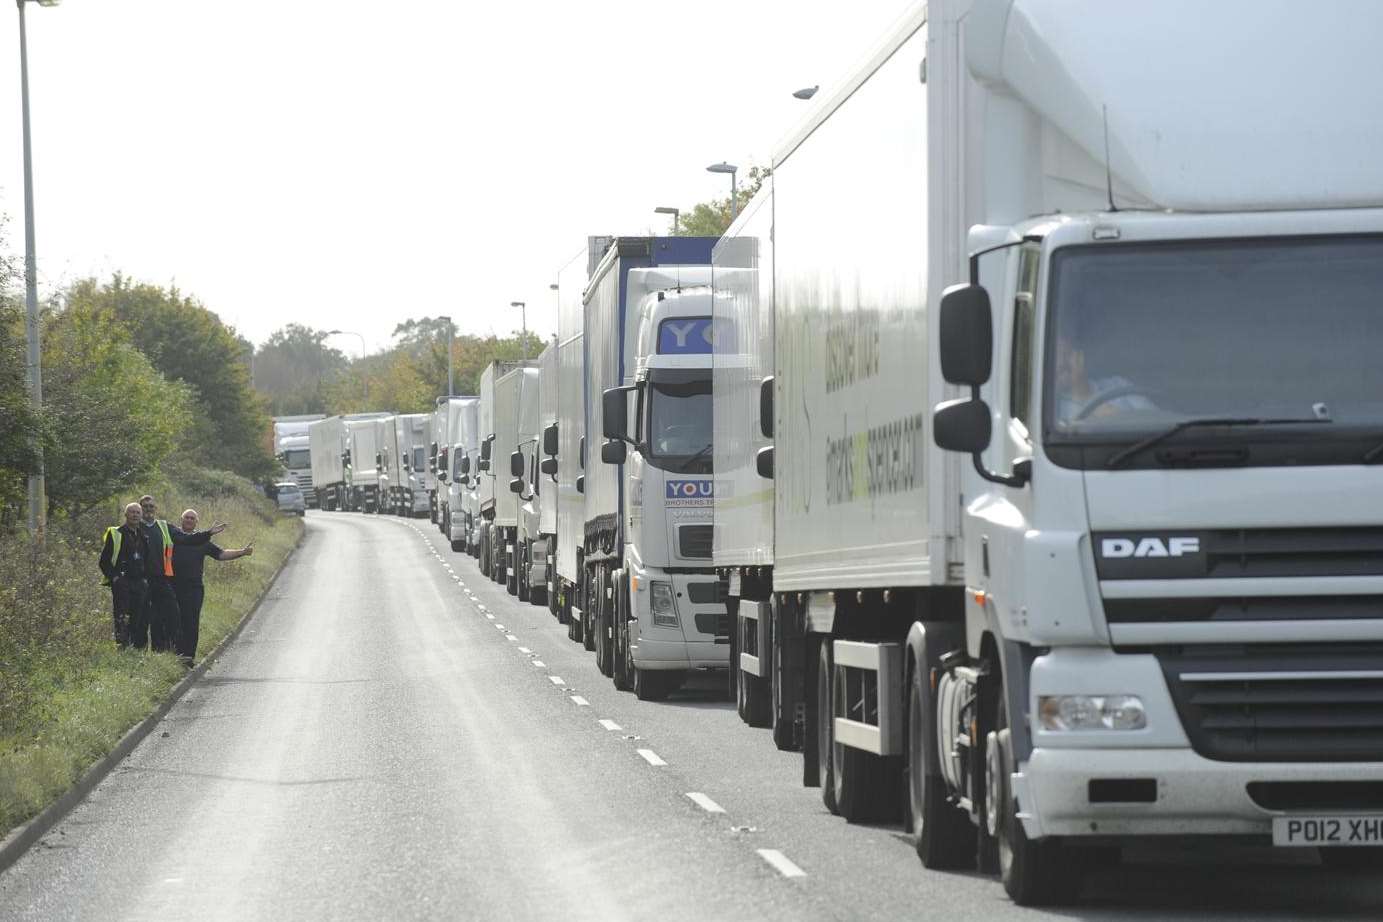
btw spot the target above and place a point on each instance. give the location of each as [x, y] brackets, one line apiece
[516, 485]
[763, 462]
[581, 484]
[613, 452]
[516, 464]
[966, 336]
[548, 466]
[432, 458]
[614, 408]
[581, 453]
[962, 425]
[766, 407]
[465, 465]
[550, 440]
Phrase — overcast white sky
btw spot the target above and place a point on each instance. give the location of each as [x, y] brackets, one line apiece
[352, 164]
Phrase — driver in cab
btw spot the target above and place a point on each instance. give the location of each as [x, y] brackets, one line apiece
[1080, 397]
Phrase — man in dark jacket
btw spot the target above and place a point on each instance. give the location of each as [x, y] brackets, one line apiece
[125, 561]
[161, 607]
[188, 560]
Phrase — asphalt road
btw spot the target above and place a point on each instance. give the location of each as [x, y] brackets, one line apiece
[394, 737]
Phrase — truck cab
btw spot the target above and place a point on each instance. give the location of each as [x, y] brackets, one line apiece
[672, 616]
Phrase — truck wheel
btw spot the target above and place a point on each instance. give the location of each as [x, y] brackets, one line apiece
[732, 678]
[650, 685]
[825, 736]
[458, 546]
[525, 593]
[751, 692]
[1035, 873]
[604, 643]
[624, 663]
[942, 833]
[785, 694]
[588, 616]
[861, 779]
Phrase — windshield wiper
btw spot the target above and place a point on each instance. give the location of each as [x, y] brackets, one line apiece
[696, 457]
[1120, 457]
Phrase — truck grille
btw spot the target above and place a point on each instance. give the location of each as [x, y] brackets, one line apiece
[694, 541]
[1297, 703]
[1239, 553]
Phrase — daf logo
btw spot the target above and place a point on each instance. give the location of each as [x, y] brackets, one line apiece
[1148, 547]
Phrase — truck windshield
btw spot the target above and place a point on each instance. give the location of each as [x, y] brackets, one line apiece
[297, 457]
[679, 419]
[1143, 336]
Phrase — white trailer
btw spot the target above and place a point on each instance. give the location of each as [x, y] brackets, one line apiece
[508, 403]
[436, 451]
[1124, 604]
[492, 486]
[329, 446]
[571, 436]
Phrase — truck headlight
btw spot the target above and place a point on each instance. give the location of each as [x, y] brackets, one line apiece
[662, 604]
[1091, 712]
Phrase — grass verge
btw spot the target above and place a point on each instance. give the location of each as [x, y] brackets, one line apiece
[67, 695]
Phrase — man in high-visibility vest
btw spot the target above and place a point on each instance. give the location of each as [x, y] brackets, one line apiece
[125, 561]
[161, 610]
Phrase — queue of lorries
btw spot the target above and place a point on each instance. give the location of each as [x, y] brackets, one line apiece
[1014, 448]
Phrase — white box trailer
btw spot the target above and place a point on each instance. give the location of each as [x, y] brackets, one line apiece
[1072, 629]
[328, 444]
[571, 433]
[436, 449]
[492, 487]
[538, 532]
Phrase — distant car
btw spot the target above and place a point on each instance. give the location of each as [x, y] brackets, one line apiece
[290, 498]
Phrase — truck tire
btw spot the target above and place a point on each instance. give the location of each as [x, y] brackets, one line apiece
[942, 832]
[1035, 873]
[732, 675]
[825, 735]
[525, 556]
[786, 690]
[458, 546]
[604, 643]
[513, 563]
[752, 692]
[624, 662]
[588, 613]
[861, 779]
[655, 685]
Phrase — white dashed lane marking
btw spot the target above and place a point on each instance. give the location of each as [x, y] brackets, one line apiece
[557, 680]
[539, 663]
[524, 650]
[705, 803]
[609, 724]
[781, 863]
[651, 757]
[580, 702]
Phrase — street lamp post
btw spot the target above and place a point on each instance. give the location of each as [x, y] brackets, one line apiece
[365, 378]
[676, 214]
[451, 339]
[523, 321]
[38, 503]
[730, 168]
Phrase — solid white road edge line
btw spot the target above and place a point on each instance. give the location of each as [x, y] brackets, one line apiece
[781, 863]
[651, 757]
[705, 803]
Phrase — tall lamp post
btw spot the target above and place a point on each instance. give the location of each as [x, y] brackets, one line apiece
[38, 503]
[730, 168]
[451, 339]
[366, 379]
[523, 321]
[676, 214]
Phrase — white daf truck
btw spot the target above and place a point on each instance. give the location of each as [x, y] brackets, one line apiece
[533, 468]
[1137, 596]
[656, 604]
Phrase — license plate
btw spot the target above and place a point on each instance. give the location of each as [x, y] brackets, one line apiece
[1300, 831]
